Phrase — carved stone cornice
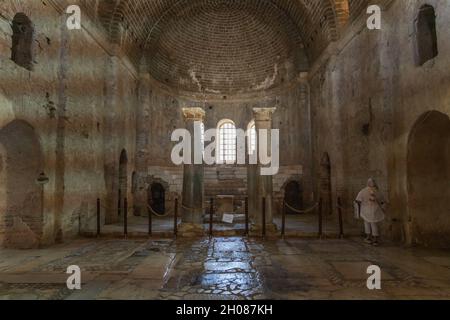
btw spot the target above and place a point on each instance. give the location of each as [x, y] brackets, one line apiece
[263, 114]
[193, 114]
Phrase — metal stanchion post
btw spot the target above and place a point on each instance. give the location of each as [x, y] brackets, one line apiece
[98, 217]
[125, 217]
[150, 223]
[211, 215]
[264, 217]
[320, 218]
[283, 220]
[175, 219]
[341, 223]
[119, 204]
[246, 217]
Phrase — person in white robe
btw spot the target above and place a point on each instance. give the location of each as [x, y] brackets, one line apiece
[372, 210]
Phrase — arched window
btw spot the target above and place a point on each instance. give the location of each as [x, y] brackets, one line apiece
[22, 41]
[202, 137]
[227, 142]
[426, 37]
[251, 136]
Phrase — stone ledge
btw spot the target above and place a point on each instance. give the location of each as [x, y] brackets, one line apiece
[271, 230]
[190, 230]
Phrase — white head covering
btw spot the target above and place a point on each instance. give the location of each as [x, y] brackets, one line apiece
[372, 182]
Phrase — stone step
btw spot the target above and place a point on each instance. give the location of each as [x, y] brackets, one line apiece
[223, 192]
[226, 191]
[233, 182]
[217, 218]
[225, 185]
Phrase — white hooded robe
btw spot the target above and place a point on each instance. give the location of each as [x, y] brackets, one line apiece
[371, 205]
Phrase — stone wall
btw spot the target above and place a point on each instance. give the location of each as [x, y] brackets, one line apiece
[366, 95]
[292, 117]
[216, 183]
[84, 104]
[80, 101]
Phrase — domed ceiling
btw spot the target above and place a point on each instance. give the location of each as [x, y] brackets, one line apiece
[222, 46]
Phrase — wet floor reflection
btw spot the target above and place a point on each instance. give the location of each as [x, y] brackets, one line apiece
[223, 266]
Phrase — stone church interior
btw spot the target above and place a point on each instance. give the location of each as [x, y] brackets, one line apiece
[92, 91]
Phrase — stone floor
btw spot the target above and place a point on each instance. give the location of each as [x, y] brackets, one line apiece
[224, 268]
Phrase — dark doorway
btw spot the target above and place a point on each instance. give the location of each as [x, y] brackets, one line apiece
[21, 197]
[293, 197]
[157, 198]
[22, 41]
[426, 36]
[428, 180]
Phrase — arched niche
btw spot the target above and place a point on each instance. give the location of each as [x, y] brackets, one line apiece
[158, 195]
[22, 41]
[21, 196]
[428, 179]
[157, 198]
[293, 194]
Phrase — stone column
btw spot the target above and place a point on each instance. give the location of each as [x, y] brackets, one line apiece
[142, 141]
[193, 189]
[252, 170]
[263, 184]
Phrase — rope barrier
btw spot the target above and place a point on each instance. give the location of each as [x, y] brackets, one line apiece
[132, 207]
[156, 213]
[314, 207]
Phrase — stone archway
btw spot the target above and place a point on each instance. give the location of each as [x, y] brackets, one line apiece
[428, 179]
[157, 198]
[158, 195]
[291, 191]
[21, 199]
[293, 195]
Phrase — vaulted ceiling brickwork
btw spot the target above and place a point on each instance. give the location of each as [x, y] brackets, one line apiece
[223, 46]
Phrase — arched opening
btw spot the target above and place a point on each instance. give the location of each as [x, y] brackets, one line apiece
[157, 198]
[22, 41]
[293, 197]
[123, 181]
[426, 36]
[227, 142]
[21, 201]
[428, 179]
[251, 136]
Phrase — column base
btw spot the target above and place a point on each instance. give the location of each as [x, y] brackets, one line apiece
[190, 230]
[271, 230]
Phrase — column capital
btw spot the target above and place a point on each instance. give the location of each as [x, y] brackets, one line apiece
[193, 114]
[263, 114]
